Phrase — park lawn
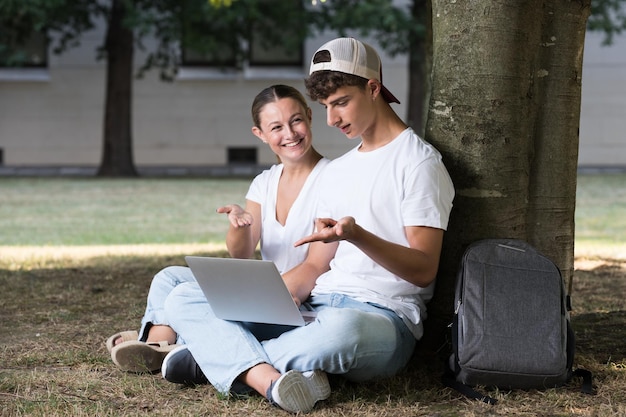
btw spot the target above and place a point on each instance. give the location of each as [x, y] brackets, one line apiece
[48, 213]
[62, 297]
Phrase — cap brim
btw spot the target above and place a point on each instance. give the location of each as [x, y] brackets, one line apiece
[389, 98]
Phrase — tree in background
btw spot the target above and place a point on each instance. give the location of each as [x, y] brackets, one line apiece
[608, 17]
[119, 45]
[63, 22]
[19, 19]
[216, 28]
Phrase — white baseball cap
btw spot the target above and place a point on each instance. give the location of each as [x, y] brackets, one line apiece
[351, 56]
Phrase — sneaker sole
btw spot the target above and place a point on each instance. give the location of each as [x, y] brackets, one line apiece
[135, 356]
[295, 392]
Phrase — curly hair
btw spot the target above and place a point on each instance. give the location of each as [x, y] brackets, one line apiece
[322, 84]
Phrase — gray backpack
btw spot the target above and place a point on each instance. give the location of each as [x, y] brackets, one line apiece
[511, 326]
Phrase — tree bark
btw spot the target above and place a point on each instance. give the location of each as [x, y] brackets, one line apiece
[117, 153]
[491, 115]
[420, 64]
[555, 158]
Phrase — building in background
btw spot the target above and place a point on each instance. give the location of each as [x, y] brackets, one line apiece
[51, 114]
[52, 109]
[603, 106]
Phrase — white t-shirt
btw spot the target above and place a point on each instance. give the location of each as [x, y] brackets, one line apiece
[403, 183]
[277, 240]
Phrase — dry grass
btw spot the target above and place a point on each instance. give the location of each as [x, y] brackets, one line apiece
[59, 306]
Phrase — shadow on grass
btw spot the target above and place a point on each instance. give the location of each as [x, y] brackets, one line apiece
[66, 297]
[57, 314]
[603, 335]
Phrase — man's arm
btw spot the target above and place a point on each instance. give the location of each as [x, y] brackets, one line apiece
[417, 263]
[301, 279]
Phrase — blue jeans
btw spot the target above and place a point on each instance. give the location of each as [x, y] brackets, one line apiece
[357, 340]
[162, 285]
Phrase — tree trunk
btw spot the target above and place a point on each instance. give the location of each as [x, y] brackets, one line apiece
[497, 87]
[555, 162]
[420, 64]
[117, 154]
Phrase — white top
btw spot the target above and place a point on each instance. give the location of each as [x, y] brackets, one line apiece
[403, 183]
[277, 240]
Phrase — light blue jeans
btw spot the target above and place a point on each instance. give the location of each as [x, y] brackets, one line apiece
[357, 340]
[162, 285]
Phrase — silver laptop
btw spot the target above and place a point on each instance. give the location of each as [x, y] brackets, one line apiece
[248, 290]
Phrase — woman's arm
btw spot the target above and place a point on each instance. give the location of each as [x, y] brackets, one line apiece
[244, 231]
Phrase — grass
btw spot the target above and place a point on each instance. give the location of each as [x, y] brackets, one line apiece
[53, 212]
[45, 212]
[600, 219]
[64, 294]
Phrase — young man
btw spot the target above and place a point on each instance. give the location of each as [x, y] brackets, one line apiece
[383, 209]
[387, 203]
[391, 193]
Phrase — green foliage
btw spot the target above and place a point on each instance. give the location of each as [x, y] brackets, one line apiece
[67, 19]
[395, 28]
[208, 27]
[608, 16]
[220, 3]
[211, 27]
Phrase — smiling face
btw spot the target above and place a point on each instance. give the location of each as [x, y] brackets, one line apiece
[285, 125]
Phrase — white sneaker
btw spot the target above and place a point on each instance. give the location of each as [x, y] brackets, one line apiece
[297, 392]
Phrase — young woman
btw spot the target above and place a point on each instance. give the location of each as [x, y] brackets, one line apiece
[279, 210]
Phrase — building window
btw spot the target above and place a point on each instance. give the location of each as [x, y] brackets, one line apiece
[258, 41]
[224, 56]
[31, 53]
[258, 55]
[266, 55]
[242, 156]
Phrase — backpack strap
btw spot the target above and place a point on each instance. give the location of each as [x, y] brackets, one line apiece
[587, 387]
[448, 379]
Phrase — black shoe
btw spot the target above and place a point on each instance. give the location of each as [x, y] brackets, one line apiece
[180, 367]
